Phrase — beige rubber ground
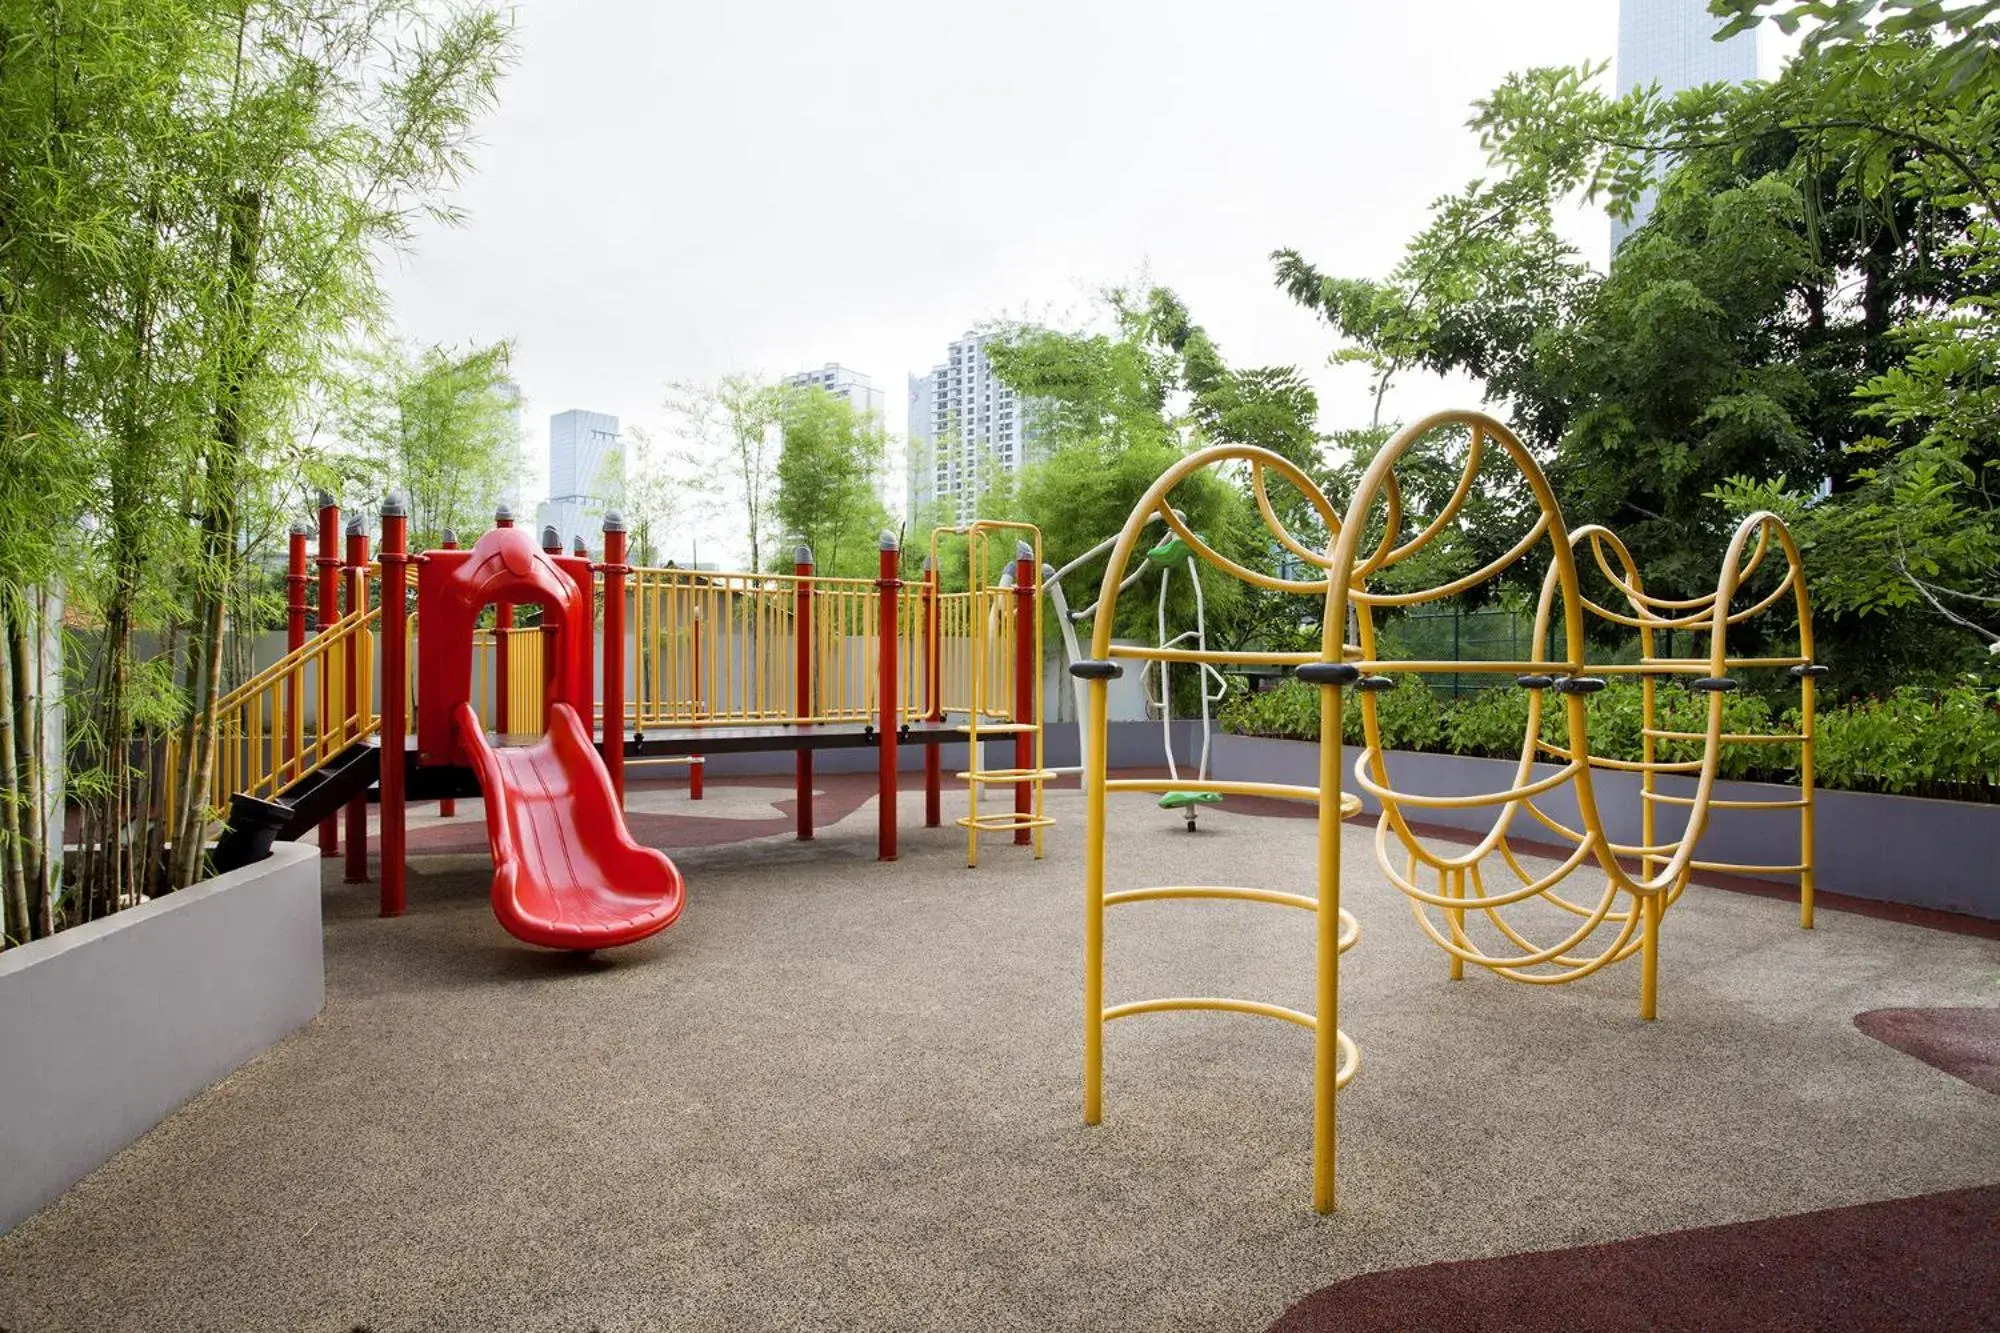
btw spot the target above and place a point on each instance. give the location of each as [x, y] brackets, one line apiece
[845, 1095]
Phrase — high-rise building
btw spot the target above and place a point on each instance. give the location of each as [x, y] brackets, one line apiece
[856, 389]
[1672, 43]
[965, 425]
[586, 474]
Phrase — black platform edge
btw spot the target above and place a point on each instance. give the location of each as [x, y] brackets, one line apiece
[254, 824]
[1092, 668]
[1534, 682]
[1375, 684]
[1808, 670]
[1579, 685]
[1714, 684]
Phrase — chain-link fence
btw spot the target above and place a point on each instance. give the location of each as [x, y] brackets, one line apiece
[1493, 634]
[1449, 634]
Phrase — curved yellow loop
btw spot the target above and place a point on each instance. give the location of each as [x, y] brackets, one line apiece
[1449, 912]
[1276, 525]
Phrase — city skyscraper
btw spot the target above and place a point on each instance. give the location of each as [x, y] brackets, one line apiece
[965, 423]
[856, 389]
[586, 473]
[859, 392]
[1672, 43]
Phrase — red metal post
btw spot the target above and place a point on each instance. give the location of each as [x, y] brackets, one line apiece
[395, 699]
[933, 760]
[891, 585]
[802, 673]
[295, 639]
[1024, 681]
[551, 545]
[329, 611]
[503, 621]
[615, 569]
[695, 766]
[358, 694]
[448, 806]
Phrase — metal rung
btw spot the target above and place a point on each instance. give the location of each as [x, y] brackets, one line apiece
[1729, 867]
[1349, 1060]
[1719, 804]
[1728, 737]
[1011, 775]
[1005, 820]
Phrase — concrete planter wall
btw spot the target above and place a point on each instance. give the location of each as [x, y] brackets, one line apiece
[1899, 849]
[108, 1028]
[1133, 745]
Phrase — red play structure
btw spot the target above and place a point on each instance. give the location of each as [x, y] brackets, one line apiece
[566, 873]
[722, 664]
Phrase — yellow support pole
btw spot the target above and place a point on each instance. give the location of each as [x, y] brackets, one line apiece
[1806, 691]
[1326, 1024]
[1454, 878]
[1651, 906]
[1095, 744]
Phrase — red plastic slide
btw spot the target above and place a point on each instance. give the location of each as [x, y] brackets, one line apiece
[566, 873]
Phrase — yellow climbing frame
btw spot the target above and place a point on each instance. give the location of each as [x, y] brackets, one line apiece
[1000, 688]
[1373, 536]
[1335, 1057]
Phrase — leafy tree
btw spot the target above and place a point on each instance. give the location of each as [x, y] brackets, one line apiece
[829, 462]
[1802, 311]
[192, 202]
[728, 431]
[443, 426]
[1115, 409]
[658, 492]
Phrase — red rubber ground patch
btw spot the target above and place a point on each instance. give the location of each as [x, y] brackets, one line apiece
[1964, 1043]
[1931, 1262]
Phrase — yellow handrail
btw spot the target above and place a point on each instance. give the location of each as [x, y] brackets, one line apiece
[261, 744]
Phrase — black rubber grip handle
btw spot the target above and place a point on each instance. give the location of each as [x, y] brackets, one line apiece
[1328, 673]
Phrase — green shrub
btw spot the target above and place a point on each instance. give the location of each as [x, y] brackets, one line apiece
[1287, 712]
[1917, 741]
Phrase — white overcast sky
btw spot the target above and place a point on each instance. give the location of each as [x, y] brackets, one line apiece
[678, 190]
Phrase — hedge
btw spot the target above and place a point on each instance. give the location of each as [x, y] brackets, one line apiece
[1915, 741]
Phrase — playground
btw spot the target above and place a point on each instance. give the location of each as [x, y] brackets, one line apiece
[852, 1089]
[840, 1093]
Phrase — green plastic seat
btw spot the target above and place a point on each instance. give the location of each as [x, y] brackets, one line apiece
[1172, 551]
[1174, 800]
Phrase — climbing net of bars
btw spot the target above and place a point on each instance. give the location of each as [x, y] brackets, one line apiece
[1531, 915]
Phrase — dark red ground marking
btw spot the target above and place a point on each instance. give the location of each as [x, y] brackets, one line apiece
[1964, 1043]
[1932, 1262]
[840, 795]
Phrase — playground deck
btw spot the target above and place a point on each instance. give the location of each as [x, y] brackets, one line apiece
[844, 1094]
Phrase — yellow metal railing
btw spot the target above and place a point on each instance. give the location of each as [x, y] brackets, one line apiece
[292, 717]
[722, 650]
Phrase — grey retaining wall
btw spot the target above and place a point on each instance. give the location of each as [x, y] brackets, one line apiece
[1898, 849]
[107, 1028]
[1133, 745]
